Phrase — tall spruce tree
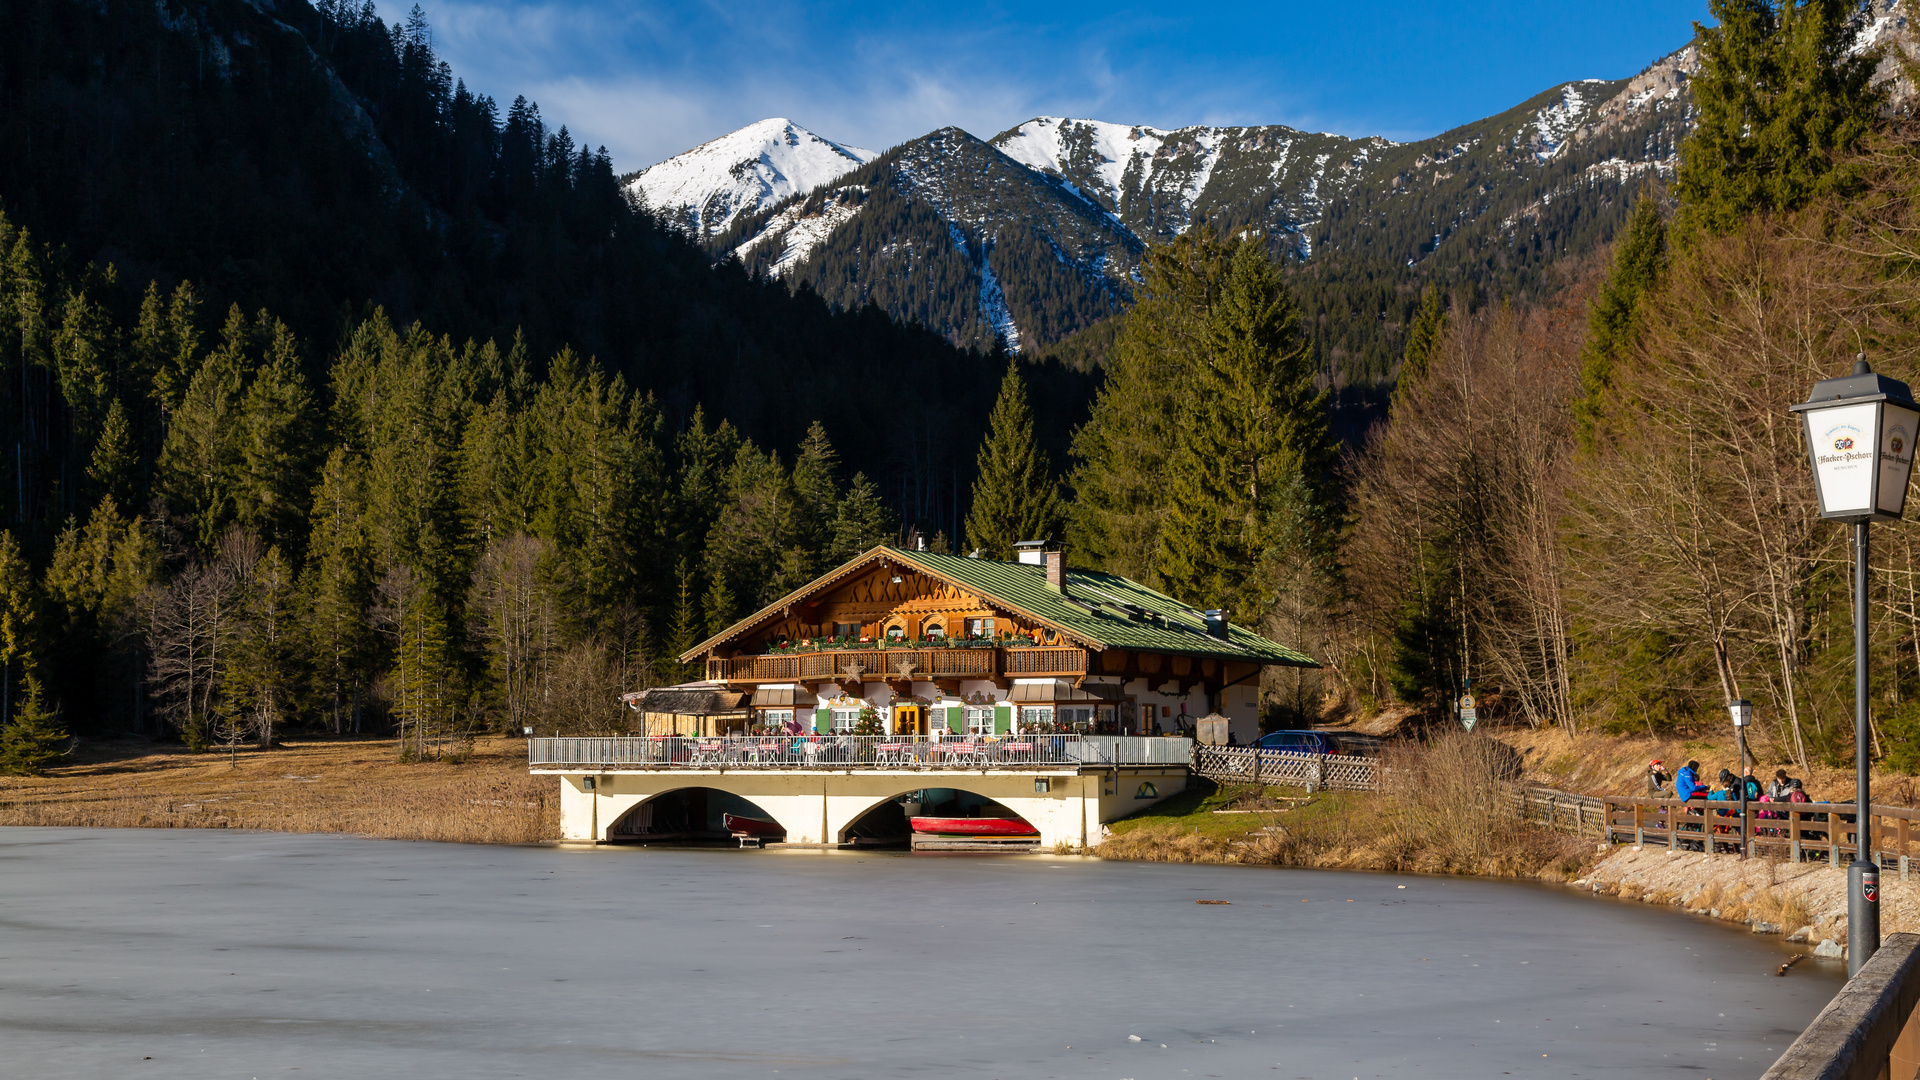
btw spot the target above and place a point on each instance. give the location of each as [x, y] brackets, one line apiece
[1613, 319]
[1424, 333]
[1016, 496]
[1780, 98]
[1120, 481]
[1253, 431]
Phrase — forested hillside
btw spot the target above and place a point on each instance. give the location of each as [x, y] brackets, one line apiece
[1597, 508]
[318, 164]
[338, 396]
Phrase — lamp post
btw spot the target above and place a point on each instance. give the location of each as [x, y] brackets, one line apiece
[1860, 431]
[1742, 713]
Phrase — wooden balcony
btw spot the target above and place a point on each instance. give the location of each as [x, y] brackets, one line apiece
[884, 665]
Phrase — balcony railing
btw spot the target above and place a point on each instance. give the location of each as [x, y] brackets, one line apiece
[854, 752]
[880, 665]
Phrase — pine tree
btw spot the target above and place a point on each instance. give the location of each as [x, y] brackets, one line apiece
[688, 629]
[1253, 427]
[720, 606]
[859, 522]
[274, 444]
[1120, 484]
[19, 652]
[35, 738]
[338, 588]
[115, 468]
[816, 492]
[265, 666]
[1781, 97]
[1613, 319]
[1015, 497]
[1423, 340]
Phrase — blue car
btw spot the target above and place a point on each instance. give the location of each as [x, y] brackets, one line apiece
[1321, 743]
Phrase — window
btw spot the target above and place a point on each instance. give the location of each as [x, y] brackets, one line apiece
[846, 630]
[980, 628]
[979, 719]
[936, 630]
[1035, 714]
[895, 633]
[780, 718]
[1076, 717]
[844, 719]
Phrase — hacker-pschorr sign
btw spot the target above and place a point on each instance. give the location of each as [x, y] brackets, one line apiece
[1860, 431]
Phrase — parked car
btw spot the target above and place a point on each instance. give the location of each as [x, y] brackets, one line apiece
[1322, 743]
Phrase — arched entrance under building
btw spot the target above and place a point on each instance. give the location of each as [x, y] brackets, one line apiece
[694, 815]
[888, 823]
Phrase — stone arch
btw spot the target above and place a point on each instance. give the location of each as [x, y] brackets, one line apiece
[878, 823]
[691, 813]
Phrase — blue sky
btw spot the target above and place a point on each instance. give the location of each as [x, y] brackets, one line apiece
[649, 80]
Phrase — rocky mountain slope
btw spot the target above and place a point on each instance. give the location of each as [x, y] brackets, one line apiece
[1488, 207]
[951, 233]
[704, 189]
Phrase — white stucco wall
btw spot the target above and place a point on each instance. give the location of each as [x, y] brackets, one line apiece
[818, 807]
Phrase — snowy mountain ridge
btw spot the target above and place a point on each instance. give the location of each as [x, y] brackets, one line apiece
[703, 190]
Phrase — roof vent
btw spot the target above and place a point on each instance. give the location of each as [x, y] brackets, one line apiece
[1030, 552]
[1217, 624]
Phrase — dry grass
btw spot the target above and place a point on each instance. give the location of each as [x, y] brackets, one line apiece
[1445, 812]
[353, 786]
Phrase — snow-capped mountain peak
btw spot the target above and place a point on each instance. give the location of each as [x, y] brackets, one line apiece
[704, 189]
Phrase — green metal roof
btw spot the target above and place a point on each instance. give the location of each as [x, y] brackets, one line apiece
[1101, 611]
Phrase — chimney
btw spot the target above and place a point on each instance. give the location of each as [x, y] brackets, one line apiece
[1030, 552]
[1217, 623]
[1056, 564]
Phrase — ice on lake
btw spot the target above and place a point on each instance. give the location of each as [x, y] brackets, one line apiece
[224, 954]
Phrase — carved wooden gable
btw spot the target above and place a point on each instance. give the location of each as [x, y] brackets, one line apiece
[886, 597]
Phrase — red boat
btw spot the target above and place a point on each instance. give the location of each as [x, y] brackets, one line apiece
[753, 826]
[973, 826]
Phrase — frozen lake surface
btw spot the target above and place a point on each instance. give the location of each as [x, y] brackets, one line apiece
[223, 954]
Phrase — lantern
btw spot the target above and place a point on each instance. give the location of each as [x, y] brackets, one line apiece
[1860, 432]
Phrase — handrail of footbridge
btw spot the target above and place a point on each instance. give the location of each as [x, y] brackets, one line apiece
[854, 752]
[1868, 1030]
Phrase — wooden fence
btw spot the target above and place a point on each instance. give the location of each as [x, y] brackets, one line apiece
[1245, 765]
[1797, 831]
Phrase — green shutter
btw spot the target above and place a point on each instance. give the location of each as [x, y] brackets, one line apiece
[1002, 719]
[956, 719]
[822, 720]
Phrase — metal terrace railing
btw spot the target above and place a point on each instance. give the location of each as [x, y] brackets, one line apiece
[854, 752]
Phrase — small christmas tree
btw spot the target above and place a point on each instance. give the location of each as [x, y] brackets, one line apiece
[35, 739]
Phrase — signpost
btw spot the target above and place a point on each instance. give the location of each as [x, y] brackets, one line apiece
[1468, 713]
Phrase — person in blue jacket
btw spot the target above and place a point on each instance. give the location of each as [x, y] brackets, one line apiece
[1686, 783]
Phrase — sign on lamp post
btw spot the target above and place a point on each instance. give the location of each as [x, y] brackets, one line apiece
[1860, 431]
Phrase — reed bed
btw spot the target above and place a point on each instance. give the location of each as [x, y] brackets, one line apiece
[353, 787]
[1446, 809]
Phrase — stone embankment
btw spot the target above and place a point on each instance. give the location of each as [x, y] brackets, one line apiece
[1806, 902]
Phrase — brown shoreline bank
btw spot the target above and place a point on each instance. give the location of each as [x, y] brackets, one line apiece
[349, 785]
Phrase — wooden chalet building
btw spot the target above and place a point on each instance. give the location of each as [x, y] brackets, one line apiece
[929, 645]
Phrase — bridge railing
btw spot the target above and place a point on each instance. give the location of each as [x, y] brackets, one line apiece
[1798, 831]
[1869, 1029]
[853, 752]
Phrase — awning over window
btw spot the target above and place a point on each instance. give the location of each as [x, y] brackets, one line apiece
[687, 700]
[1063, 691]
[782, 697]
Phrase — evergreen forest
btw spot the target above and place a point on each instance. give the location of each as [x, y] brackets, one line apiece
[342, 400]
